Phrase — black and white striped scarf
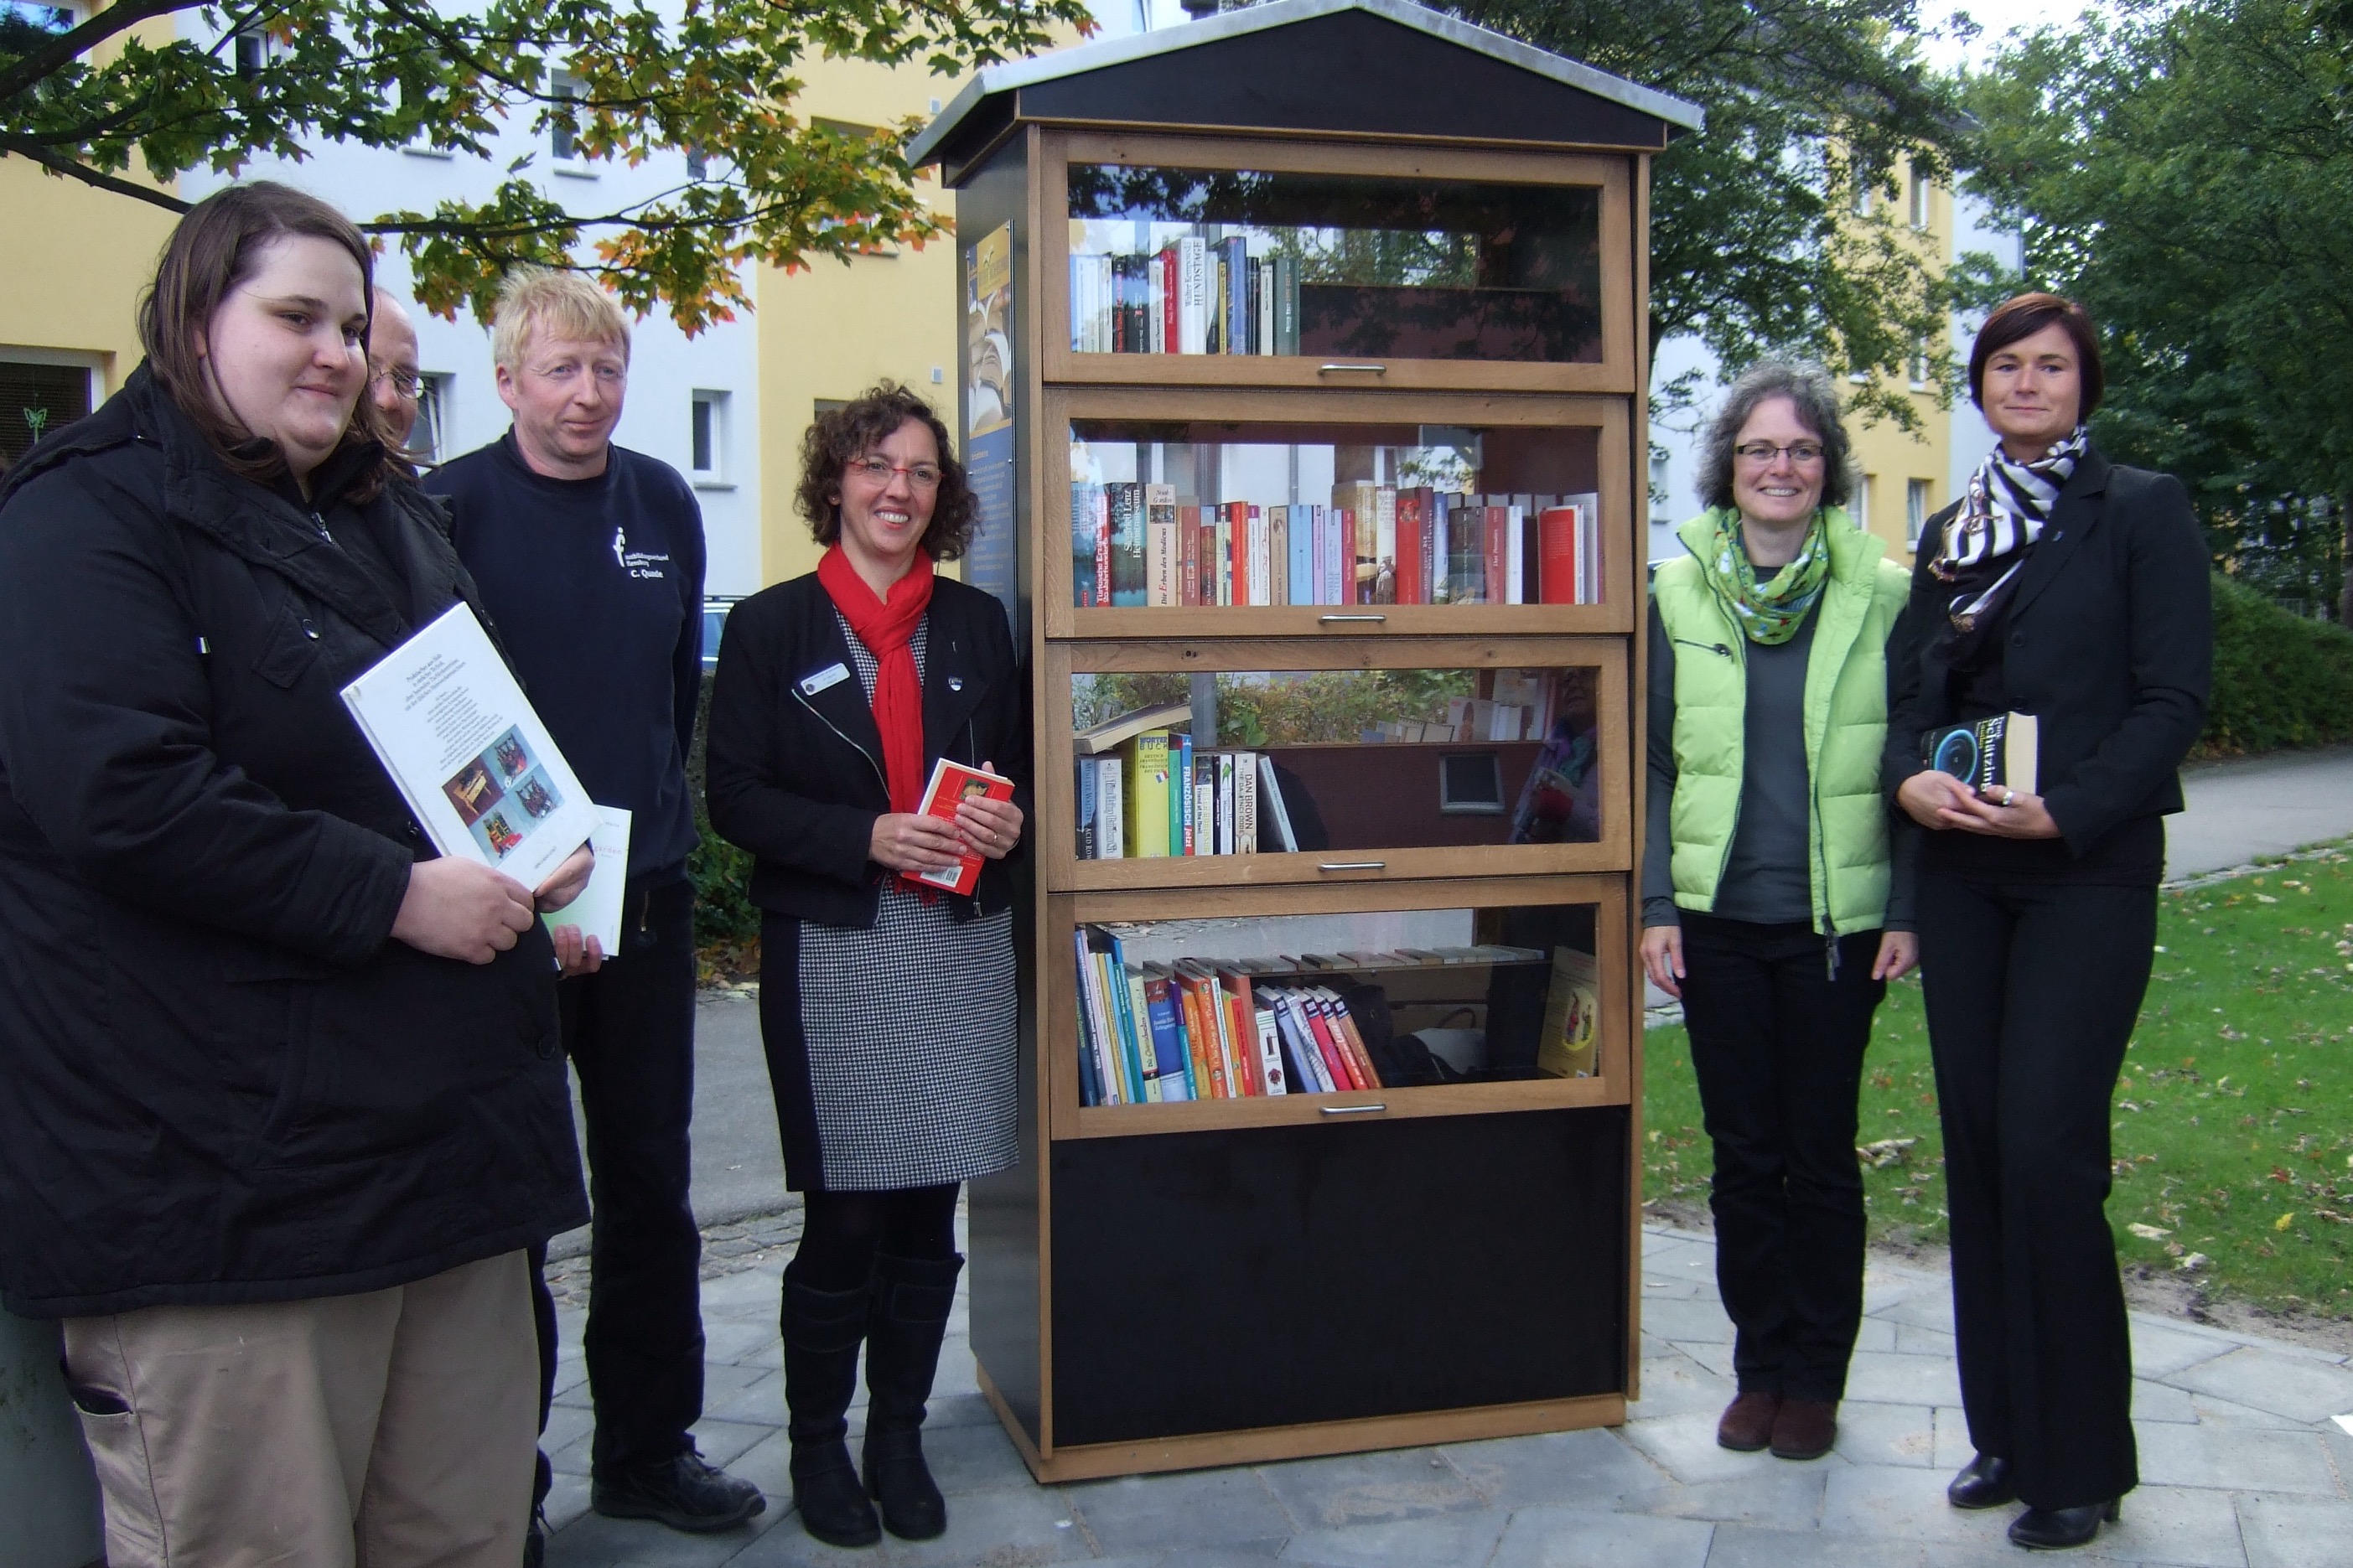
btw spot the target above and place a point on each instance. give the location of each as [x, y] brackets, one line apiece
[1988, 541]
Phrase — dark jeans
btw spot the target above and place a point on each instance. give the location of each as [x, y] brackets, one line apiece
[2032, 991]
[630, 1030]
[1778, 1047]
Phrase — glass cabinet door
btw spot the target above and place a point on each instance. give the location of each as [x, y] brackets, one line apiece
[1358, 511]
[1430, 1005]
[1180, 775]
[1240, 261]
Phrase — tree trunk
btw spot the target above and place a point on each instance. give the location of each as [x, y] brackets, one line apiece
[2345, 593]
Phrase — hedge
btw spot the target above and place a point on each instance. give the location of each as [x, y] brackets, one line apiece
[2280, 681]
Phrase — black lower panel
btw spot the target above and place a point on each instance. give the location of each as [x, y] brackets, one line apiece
[1215, 1281]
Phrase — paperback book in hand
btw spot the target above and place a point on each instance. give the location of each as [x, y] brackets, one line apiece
[952, 784]
[471, 758]
[1993, 753]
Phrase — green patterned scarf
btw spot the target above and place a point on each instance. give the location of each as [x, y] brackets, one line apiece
[1768, 612]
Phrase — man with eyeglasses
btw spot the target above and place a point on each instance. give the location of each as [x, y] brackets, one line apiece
[393, 382]
[589, 557]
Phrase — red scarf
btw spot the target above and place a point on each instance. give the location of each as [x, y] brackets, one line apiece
[887, 628]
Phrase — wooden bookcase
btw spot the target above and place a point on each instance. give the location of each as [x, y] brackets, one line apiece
[1159, 1286]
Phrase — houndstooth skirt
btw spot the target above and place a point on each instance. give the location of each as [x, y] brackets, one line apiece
[891, 1052]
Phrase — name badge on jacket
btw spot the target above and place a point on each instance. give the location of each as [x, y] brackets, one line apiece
[831, 675]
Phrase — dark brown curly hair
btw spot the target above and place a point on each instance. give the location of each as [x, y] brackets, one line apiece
[841, 436]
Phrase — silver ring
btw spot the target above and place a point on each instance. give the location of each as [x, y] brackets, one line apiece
[2007, 795]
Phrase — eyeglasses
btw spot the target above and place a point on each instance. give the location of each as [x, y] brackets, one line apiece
[1804, 454]
[406, 383]
[875, 471]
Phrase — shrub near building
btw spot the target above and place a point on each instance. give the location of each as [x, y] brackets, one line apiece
[2279, 680]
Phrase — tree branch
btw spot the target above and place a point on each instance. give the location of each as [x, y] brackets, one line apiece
[23, 74]
[37, 154]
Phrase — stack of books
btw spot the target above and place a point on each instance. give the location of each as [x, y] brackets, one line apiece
[1135, 544]
[1193, 296]
[1144, 792]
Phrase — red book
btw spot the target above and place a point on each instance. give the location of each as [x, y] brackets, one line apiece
[1237, 549]
[1102, 543]
[1188, 562]
[1412, 544]
[1170, 334]
[1328, 1040]
[1245, 1027]
[952, 784]
[1499, 544]
[1556, 557]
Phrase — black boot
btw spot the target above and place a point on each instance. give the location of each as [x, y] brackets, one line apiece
[2058, 1529]
[911, 1300]
[822, 1330]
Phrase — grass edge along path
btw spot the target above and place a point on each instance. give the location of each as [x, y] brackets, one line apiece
[2233, 1120]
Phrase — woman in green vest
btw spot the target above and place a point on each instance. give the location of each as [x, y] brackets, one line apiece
[1772, 904]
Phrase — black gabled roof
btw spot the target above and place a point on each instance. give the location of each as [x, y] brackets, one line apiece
[1370, 68]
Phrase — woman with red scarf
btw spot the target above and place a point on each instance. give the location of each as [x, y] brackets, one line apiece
[886, 1006]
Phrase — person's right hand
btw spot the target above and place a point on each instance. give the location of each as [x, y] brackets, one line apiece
[1662, 958]
[462, 909]
[1928, 795]
[908, 841]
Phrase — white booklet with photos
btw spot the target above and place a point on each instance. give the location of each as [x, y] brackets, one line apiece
[597, 910]
[475, 764]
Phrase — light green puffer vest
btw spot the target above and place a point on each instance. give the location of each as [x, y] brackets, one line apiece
[1846, 724]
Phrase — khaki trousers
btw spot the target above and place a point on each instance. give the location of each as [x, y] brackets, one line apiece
[394, 1429]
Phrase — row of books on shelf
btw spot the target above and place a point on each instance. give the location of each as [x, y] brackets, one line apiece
[1206, 1029]
[1156, 796]
[1193, 296]
[1132, 544]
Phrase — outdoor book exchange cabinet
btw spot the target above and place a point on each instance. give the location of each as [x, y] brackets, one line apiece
[1435, 242]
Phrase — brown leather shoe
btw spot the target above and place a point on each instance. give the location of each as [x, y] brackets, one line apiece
[1805, 1428]
[1747, 1424]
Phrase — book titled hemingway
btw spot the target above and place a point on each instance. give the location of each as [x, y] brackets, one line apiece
[468, 752]
[1990, 754]
[951, 785]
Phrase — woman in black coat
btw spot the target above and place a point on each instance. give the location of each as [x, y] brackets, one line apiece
[280, 1103]
[2074, 590]
[886, 1006]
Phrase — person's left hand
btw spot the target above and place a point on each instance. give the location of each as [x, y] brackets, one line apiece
[992, 827]
[1999, 813]
[568, 882]
[575, 953]
[1899, 954]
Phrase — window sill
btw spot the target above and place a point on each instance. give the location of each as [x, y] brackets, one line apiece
[442, 153]
[575, 171]
[710, 483]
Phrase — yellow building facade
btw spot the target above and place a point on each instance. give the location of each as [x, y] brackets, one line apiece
[73, 261]
[1901, 476]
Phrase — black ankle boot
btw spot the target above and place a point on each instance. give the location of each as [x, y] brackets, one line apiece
[822, 1330]
[2056, 1529]
[1984, 1482]
[913, 1297]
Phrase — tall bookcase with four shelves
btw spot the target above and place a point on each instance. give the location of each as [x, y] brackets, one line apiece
[1322, 349]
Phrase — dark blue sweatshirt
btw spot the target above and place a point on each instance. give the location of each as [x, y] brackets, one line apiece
[596, 589]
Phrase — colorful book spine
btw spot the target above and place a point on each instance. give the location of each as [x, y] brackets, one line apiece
[1128, 582]
[1111, 809]
[1139, 1027]
[1167, 1048]
[1160, 544]
[1245, 802]
[1188, 554]
[1146, 794]
[1090, 1033]
[1085, 792]
[1270, 1054]
[1301, 534]
[1180, 795]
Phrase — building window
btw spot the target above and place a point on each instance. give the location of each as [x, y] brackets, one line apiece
[1917, 368]
[35, 399]
[1860, 507]
[707, 440]
[430, 440]
[1916, 511]
[1861, 204]
[563, 141]
[1659, 477]
[698, 167]
[1919, 200]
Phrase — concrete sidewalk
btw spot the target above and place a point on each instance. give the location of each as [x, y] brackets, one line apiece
[2240, 1463]
[2242, 808]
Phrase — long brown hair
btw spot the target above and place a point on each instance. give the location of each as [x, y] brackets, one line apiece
[217, 246]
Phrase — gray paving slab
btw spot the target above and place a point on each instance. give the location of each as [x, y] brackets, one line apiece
[2243, 808]
[1578, 1538]
[2181, 1525]
[1349, 1489]
[1887, 1434]
[2296, 1532]
[2263, 1379]
[1195, 1507]
[1408, 1543]
[1778, 1494]
[2237, 1458]
[1577, 1469]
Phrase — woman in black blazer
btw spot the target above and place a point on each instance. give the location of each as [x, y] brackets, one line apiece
[2069, 588]
[886, 1006]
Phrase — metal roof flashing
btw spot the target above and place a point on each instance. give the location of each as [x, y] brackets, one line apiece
[928, 147]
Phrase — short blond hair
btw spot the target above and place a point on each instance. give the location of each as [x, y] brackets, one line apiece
[536, 299]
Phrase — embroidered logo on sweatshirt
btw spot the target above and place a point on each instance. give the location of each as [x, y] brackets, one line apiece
[638, 564]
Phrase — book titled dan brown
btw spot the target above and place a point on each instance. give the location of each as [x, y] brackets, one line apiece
[952, 784]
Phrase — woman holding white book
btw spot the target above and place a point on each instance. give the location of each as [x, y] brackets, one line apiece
[1773, 903]
[886, 1004]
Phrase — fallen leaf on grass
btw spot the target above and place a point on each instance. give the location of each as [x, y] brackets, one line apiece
[2149, 1232]
[2285, 1220]
[1884, 1152]
[2195, 1260]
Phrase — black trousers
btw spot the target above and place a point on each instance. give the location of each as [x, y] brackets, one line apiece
[630, 1030]
[1776, 1045]
[2032, 992]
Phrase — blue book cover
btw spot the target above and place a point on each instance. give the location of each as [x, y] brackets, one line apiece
[1084, 502]
[1302, 555]
[1090, 1087]
[1168, 1043]
[1086, 790]
[1130, 1048]
[1238, 300]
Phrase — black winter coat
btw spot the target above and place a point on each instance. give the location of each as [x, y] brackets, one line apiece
[220, 1081]
[2109, 641]
[795, 763]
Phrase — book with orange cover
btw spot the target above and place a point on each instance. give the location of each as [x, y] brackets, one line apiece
[1243, 1014]
[953, 783]
[1360, 1060]
[1201, 991]
[1201, 1038]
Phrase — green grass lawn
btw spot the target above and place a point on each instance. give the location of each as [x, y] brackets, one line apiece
[2233, 1113]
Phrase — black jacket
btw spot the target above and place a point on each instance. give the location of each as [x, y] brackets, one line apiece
[795, 774]
[220, 1081]
[2109, 641]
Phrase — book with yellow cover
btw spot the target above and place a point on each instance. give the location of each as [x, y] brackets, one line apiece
[1147, 795]
[1572, 1012]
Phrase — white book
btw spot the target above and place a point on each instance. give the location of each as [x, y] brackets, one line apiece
[1385, 525]
[597, 910]
[1245, 802]
[1193, 296]
[1226, 841]
[1277, 813]
[1111, 809]
[469, 754]
[1516, 560]
[1339, 563]
[1261, 567]
[1205, 812]
[1270, 1053]
[1157, 303]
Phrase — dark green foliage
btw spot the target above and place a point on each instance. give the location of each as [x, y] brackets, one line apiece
[2279, 680]
[725, 915]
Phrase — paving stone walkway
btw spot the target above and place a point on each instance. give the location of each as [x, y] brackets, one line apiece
[2242, 1465]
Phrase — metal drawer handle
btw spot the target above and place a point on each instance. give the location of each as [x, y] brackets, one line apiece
[1351, 865]
[1330, 620]
[1367, 369]
[1351, 1110]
